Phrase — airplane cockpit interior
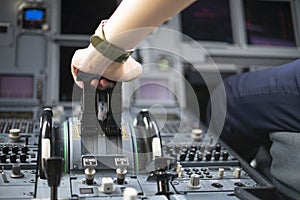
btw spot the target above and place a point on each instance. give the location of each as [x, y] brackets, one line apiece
[147, 138]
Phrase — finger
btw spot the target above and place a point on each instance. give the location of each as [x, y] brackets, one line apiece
[94, 83]
[102, 84]
[79, 84]
[132, 69]
[74, 71]
[106, 83]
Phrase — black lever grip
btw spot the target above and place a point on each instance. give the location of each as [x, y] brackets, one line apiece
[54, 169]
[45, 139]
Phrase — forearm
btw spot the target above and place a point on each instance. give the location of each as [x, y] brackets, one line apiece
[135, 19]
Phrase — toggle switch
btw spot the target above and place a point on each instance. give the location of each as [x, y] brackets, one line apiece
[90, 162]
[4, 177]
[121, 174]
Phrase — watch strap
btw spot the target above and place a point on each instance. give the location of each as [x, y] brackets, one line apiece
[109, 50]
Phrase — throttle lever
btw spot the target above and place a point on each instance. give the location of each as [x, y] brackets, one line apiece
[89, 123]
[86, 78]
[94, 115]
[96, 119]
[90, 103]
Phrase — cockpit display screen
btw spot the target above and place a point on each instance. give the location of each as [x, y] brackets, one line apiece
[16, 86]
[34, 18]
[34, 14]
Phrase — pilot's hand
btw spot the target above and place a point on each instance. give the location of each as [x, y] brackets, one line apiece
[89, 60]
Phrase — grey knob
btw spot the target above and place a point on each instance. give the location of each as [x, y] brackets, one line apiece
[16, 171]
[14, 134]
[194, 181]
[237, 172]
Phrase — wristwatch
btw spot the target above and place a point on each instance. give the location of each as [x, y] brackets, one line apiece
[108, 50]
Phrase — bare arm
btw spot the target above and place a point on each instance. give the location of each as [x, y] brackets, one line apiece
[144, 15]
[132, 21]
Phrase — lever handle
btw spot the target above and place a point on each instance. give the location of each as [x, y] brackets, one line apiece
[45, 139]
[87, 77]
[54, 169]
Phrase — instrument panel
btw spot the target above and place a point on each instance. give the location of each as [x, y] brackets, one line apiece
[184, 170]
[136, 141]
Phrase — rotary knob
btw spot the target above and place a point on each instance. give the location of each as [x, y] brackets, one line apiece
[3, 158]
[194, 181]
[197, 134]
[24, 149]
[225, 155]
[14, 134]
[191, 156]
[217, 156]
[200, 156]
[15, 149]
[5, 149]
[23, 157]
[13, 158]
[208, 156]
[16, 171]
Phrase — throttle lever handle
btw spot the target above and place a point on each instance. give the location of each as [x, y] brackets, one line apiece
[87, 78]
[90, 96]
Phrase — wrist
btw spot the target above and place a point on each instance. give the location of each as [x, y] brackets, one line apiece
[111, 51]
